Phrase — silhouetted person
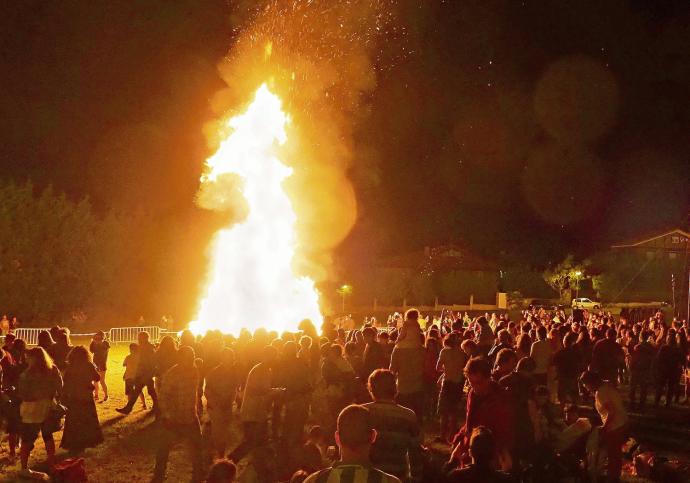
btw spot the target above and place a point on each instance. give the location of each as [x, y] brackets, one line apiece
[82, 429]
[669, 366]
[608, 357]
[146, 368]
[482, 451]
[609, 405]
[355, 435]
[641, 371]
[397, 449]
[488, 406]
[256, 405]
[178, 414]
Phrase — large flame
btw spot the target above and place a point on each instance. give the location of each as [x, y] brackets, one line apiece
[250, 282]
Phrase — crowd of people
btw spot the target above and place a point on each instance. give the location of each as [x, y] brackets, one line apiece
[42, 385]
[451, 399]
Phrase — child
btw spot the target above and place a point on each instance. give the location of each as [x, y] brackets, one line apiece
[222, 471]
[261, 466]
[99, 347]
[131, 364]
[312, 455]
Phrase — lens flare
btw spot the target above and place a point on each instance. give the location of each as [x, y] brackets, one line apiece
[251, 283]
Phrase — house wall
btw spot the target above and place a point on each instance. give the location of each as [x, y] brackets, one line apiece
[392, 286]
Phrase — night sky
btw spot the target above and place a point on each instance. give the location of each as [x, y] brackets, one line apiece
[536, 128]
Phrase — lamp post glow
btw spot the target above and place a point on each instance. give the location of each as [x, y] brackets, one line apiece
[344, 291]
[578, 274]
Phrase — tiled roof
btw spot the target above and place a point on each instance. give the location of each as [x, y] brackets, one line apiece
[677, 231]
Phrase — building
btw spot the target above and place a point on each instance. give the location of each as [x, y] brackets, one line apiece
[673, 245]
[651, 269]
[445, 274]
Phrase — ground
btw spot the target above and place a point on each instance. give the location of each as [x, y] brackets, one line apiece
[127, 455]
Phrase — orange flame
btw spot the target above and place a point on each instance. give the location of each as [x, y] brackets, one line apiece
[251, 283]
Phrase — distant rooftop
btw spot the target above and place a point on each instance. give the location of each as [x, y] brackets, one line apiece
[681, 235]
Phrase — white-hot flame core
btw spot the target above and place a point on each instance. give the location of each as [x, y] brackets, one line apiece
[251, 283]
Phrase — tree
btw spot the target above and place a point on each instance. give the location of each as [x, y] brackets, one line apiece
[630, 276]
[49, 253]
[563, 277]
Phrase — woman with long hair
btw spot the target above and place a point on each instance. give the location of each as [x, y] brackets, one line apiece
[11, 370]
[523, 346]
[82, 429]
[19, 353]
[37, 388]
[431, 374]
[165, 357]
[61, 348]
[46, 341]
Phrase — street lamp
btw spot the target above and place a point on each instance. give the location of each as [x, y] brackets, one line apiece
[344, 291]
[578, 274]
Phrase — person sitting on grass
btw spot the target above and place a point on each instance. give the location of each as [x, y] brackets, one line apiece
[312, 454]
[222, 471]
[482, 450]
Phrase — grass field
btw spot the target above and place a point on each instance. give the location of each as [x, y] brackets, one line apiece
[127, 454]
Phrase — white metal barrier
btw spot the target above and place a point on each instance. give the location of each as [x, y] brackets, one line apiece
[129, 334]
[115, 335]
[28, 334]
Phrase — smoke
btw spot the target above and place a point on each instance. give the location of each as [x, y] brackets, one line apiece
[321, 58]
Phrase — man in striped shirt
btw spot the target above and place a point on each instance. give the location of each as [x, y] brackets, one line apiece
[398, 436]
[355, 434]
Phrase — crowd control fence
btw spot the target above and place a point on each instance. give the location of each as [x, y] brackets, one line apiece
[116, 335]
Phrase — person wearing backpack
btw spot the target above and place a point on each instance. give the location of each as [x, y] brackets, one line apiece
[355, 435]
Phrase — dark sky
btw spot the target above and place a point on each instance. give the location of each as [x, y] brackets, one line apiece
[536, 127]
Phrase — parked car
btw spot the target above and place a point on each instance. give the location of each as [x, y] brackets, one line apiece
[585, 303]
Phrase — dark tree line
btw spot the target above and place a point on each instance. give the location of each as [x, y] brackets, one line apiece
[63, 262]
